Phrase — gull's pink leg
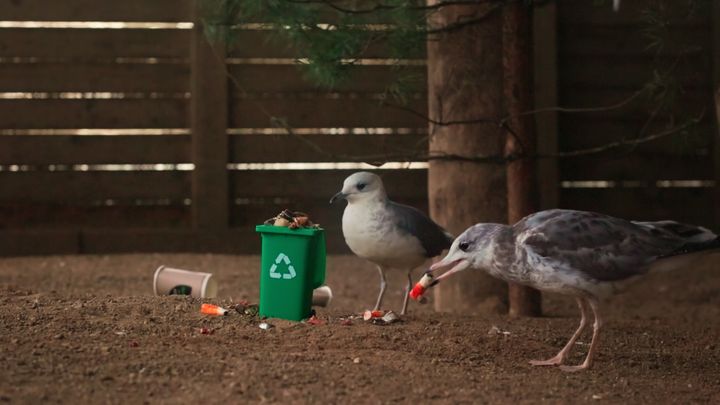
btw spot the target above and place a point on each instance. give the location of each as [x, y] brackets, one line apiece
[593, 345]
[562, 354]
[383, 284]
[407, 293]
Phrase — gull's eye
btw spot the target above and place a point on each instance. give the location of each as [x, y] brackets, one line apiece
[464, 246]
[361, 186]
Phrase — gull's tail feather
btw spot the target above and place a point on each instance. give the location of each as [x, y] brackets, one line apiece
[694, 243]
[687, 256]
[695, 247]
[689, 233]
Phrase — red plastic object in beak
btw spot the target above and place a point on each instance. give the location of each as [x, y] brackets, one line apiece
[419, 289]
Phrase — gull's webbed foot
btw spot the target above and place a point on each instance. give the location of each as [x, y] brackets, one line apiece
[555, 361]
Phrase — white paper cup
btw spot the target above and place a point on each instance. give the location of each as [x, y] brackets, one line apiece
[322, 296]
[170, 281]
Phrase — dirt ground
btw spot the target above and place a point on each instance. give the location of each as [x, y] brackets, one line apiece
[87, 329]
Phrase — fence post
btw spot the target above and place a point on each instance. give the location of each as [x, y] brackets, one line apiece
[546, 95]
[522, 176]
[716, 92]
[209, 121]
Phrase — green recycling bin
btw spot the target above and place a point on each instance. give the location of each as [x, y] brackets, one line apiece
[292, 266]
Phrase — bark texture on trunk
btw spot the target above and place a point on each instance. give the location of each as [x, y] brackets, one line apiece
[464, 83]
[522, 192]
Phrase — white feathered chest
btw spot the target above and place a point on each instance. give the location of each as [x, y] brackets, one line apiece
[371, 235]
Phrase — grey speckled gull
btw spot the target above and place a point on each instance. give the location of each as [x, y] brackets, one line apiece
[386, 233]
[584, 254]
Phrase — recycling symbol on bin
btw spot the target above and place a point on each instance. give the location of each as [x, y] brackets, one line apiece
[282, 257]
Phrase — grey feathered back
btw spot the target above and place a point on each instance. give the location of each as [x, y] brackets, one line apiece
[434, 239]
[601, 247]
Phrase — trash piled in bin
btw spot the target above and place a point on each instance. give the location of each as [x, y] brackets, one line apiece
[292, 219]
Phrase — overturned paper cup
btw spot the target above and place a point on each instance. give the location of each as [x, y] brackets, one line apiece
[170, 281]
[322, 296]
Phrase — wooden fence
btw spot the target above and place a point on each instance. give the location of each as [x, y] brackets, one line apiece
[605, 57]
[133, 137]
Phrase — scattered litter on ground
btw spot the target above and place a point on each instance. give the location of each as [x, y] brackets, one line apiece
[173, 281]
[368, 315]
[206, 331]
[210, 309]
[380, 317]
[314, 320]
[390, 317]
[322, 296]
[494, 330]
[247, 310]
[265, 326]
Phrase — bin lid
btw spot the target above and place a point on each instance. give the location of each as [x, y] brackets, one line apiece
[287, 231]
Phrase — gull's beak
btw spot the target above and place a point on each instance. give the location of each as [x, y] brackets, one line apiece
[454, 264]
[338, 196]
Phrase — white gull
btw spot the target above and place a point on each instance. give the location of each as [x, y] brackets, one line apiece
[386, 233]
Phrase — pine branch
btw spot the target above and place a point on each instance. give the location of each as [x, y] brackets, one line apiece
[458, 25]
[379, 7]
[628, 142]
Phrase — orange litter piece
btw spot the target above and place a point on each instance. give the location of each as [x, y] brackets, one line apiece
[211, 309]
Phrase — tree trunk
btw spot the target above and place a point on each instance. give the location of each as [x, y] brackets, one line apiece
[464, 83]
[717, 158]
[522, 193]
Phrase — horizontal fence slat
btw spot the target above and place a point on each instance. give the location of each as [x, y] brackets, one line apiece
[679, 204]
[634, 166]
[112, 240]
[93, 113]
[94, 149]
[323, 148]
[86, 44]
[268, 44]
[60, 216]
[630, 12]
[579, 133]
[292, 78]
[98, 10]
[607, 72]
[94, 77]
[83, 188]
[240, 240]
[401, 185]
[321, 112]
[629, 41]
[26, 242]
[167, 240]
[692, 103]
